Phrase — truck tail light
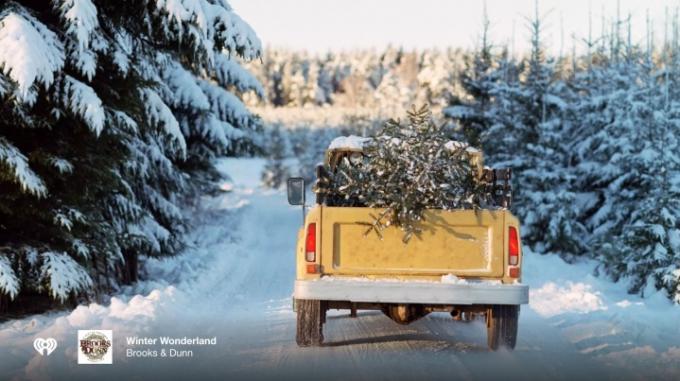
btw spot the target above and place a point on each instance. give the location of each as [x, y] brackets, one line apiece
[513, 246]
[513, 252]
[310, 243]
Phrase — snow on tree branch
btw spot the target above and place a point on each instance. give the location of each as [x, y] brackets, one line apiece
[151, 231]
[122, 51]
[205, 22]
[135, 68]
[84, 102]
[64, 275]
[225, 105]
[61, 165]
[230, 73]
[123, 120]
[62, 220]
[80, 17]
[80, 248]
[181, 11]
[162, 205]
[18, 163]
[29, 52]
[4, 85]
[160, 114]
[213, 128]
[238, 35]
[9, 283]
[185, 91]
[86, 63]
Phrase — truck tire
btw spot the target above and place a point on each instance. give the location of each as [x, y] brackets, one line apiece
[501, 327]
[311, 315]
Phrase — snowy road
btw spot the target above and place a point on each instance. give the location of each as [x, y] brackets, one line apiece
[235, 282]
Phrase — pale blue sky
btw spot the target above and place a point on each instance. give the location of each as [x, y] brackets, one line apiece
[318, 25]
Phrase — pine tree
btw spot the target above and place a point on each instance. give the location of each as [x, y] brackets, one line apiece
[647, 198]
[477, 80]
[544, 194]
[435, 78]
[109, 115]
[275, 172]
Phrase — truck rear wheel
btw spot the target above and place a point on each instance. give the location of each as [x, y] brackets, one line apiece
[501, 327]
[311, 314]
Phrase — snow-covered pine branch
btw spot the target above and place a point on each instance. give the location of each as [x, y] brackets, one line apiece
[82, 100]
[80, 248]
[161, 205]
[30, 53]
[148, 232]
[63, 275]
[226, 106]
[160, 115]
[208, 26]
[62, 165]
[184, 90]
[9, 283]
[229, 72]
[80, 16]
[122, 51]
[22, 174]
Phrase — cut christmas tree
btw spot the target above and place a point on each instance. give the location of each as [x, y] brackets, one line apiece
[406, 168]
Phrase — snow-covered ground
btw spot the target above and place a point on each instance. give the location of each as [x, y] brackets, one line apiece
[234, 283]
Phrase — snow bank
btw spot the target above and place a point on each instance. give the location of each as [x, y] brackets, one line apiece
[635, 336]
[551, 299]
[667, 363]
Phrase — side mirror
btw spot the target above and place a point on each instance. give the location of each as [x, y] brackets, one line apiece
[296, 190]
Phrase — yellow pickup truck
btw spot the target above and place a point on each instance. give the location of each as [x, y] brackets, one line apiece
[465, 262]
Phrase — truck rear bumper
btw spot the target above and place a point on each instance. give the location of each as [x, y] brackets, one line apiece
[377, 291]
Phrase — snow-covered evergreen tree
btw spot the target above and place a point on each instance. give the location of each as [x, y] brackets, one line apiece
[436, 78]
[471, 110]
[111, 112]
[275, 171]
[642, 195]
[545, 200]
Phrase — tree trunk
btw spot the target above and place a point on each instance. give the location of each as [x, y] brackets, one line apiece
[130, 267]
[3, 304]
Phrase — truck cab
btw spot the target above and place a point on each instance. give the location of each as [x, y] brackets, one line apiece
[465, 262]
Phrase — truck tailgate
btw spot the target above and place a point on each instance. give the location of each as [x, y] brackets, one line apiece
[461, 242]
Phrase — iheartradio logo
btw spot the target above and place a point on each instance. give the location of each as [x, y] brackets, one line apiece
[45, 346]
